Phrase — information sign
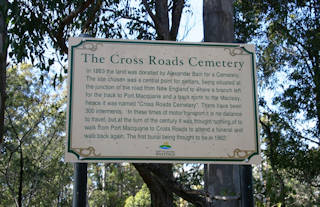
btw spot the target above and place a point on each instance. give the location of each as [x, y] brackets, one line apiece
[158, 101]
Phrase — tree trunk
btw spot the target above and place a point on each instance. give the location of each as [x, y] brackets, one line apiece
[224, 180]
[218, 21]
[163, 31]
[160, 196]
[3, 62]
[20, 176]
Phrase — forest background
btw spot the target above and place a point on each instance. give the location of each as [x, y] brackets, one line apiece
[33, 57]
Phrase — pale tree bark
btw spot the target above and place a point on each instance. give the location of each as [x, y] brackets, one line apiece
[3, 62]
[218, 21]
[228, 185]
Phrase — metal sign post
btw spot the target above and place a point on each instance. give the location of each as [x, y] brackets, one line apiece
[80, 185]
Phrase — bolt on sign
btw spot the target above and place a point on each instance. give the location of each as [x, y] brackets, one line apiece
[158, 101]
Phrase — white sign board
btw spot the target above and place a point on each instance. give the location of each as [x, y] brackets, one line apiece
[157, 101]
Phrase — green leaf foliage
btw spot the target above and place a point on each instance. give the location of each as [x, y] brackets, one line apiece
[286, 34]
[111, 184]
[287, 38]
[141, 199]
[32, 170]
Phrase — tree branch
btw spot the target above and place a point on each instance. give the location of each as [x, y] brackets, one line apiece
[138, 20]
[92, 17]
[8, 177]
[272, 161]
[20, 177]
[153, 17]
[125, 15]
[176, 18]
[12, 126]
[68, 20]
[193, 196]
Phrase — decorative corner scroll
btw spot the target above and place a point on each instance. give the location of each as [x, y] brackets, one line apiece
[242, 154]
[92, 46]
[236, 51]
[86, 152]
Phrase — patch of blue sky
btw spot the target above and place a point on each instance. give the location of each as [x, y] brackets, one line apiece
[191, 29]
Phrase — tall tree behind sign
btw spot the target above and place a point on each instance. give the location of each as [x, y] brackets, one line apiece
[30, 37]
[31, 166]
[228, 185]
[287, 34]
[293, 152]
[3, 62]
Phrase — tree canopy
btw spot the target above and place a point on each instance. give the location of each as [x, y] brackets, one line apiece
[32, 170]
[287, 35]
[287, 38]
